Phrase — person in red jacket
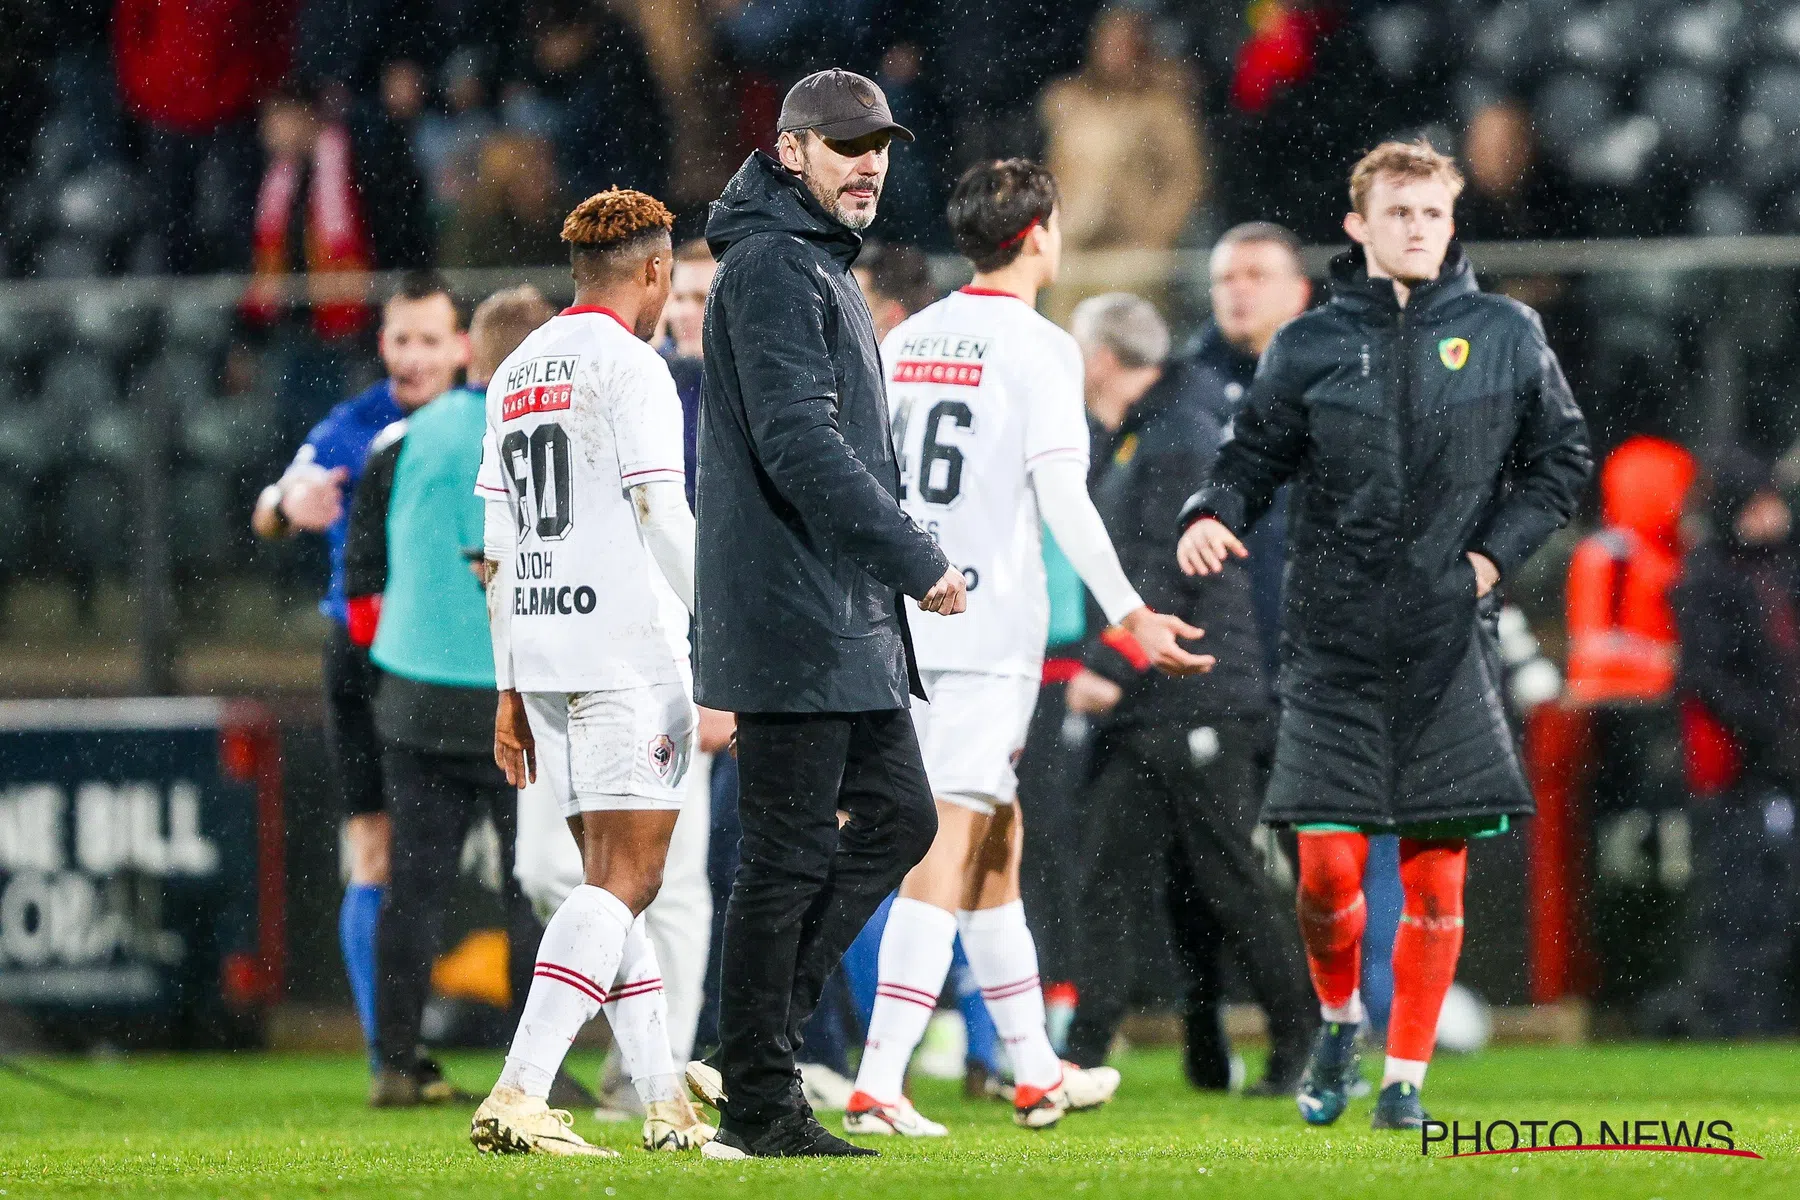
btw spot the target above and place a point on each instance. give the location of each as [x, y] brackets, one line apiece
[193, 73]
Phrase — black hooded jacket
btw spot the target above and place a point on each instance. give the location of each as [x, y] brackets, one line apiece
[803, 550]
[1411, 436]
[1140, 476]
[1739, 624]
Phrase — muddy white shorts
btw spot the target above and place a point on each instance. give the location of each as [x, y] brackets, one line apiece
[971, 733]
[622, 749]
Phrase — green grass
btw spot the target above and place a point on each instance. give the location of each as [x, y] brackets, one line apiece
[254, 1126]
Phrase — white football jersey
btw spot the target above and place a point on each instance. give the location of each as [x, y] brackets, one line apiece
[578, 415]
[983, 390]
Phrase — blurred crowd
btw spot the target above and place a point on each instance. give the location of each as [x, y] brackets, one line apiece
[150, 136]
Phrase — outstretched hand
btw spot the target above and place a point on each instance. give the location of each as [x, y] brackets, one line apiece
[1157, 633]
[1207, 546]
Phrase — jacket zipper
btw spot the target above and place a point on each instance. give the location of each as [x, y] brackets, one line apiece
[1403, 399]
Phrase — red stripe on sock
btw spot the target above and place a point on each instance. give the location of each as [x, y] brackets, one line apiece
[919, 992]
[881, 990]
[574, 979]
[1001, 991]
[631, 990]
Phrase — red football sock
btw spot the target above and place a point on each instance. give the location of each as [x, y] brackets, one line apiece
[1332, 913]
[1428, 943]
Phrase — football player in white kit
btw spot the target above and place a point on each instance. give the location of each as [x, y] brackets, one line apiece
[592, 578]
[993, 436]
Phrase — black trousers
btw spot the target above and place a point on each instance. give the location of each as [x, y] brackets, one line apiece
[1156, 810]
[805, 888]
[433, 801]
[351, 744]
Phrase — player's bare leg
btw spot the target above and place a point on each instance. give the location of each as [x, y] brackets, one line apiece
[637, 1010]
[580, 957]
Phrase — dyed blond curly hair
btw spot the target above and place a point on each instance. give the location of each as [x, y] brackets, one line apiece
[611, 218]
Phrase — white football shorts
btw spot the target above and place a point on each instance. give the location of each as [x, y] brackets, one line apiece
[972, 732]
[622, 749]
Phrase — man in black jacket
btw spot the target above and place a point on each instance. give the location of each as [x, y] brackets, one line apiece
[1258, 284]
[803, 556]
[1433, 446]
[1175, 775]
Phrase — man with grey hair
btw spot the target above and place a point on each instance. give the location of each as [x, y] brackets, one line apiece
[1175, 784]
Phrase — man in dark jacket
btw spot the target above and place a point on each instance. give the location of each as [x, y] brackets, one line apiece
[803, 556]
[1739, 686]
[1258, 284]
[1433, 446]
[1175, 777]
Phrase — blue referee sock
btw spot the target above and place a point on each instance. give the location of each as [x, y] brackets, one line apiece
[357, 922]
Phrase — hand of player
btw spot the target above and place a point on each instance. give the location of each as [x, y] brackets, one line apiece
[1091, 694]
[1207, 546]
[1156, 633]
[1486, 573]
[515, 750]
[313, 500]
[717, 729]
[948, 596]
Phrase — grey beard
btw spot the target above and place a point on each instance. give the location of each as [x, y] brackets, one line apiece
[857, 221]
[830, 202]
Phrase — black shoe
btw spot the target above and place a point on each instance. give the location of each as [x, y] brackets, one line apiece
[1206, 1055]
[1281, 1077]
[1398, 1107]
[794, 1135]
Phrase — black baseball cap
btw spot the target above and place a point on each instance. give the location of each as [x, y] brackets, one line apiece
[837, 104]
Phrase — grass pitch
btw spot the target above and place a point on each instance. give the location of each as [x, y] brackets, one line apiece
[262, 1126]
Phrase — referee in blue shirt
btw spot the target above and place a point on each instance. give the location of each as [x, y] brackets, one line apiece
[423, 347]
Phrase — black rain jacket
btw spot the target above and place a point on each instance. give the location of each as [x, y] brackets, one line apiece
[1411, 436]
[804, 551]
[1140, 476]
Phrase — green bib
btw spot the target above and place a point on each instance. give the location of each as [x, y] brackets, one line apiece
[434, 624]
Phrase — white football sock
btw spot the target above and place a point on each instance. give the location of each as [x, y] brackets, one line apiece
[1004, 959]
[637, 1008]
[910, 969]
[1350, 1012]
[1403, 1070]
[578, 955]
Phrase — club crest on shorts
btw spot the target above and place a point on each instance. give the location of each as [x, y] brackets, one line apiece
[1454, 352]
[662, 755]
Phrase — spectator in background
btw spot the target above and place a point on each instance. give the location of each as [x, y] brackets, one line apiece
[895, 280]
[448, 143]
[193, 73]
[1128, 115]
[514, 216]
[585, 71]
[1739, 687]
[328, 209]
[683, 319]
[393, 188]
[1512, 193]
